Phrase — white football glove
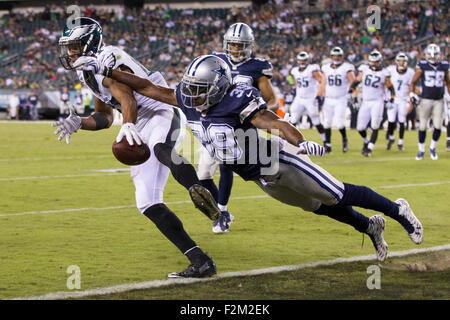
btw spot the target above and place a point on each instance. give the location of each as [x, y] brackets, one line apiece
[414, 98]
[68, 126]
[88, 63]
[130, 132]
[310, 148]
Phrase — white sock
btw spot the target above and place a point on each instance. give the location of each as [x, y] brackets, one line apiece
[366, 140]
[222, 207]
[391, 137]
[422, 147]
[433, 144]
[371, 146]
[400, 141]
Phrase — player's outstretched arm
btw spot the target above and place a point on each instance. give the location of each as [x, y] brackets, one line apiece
[267, 120]
[145, 87]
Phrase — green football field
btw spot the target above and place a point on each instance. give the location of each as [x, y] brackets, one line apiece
[73, 205]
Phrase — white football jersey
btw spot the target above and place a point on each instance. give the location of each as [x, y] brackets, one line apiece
[337, 83]
[400, 81]
[372, 82]
[307, 85]
[95, 83]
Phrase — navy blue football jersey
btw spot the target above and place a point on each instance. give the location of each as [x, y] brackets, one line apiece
[433, 79]
[226, 132]
[248, 71]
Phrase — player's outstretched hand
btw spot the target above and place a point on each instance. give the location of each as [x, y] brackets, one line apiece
[310, 148]
[88, 63]
[68, 126]
[130, 132]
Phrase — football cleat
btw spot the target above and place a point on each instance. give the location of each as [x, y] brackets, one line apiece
[327, 148]
[400, 147]
[390, 143]
[433, 154]
[376, 234]
[204, 201]
[420, 155]
[448, 145]
[344, 145]
[366, 152]
[409, 221]
[207, 269]
[222, 224]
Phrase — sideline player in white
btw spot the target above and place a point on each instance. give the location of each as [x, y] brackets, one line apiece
[447, 105]
[338, 76]
[401, 77]
[434, 77]
[157, 124]
[308, 95]
[13, 108]
[374, 79]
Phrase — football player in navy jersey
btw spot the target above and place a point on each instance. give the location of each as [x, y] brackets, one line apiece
[238, 46]
[434, 76]
[225, 118]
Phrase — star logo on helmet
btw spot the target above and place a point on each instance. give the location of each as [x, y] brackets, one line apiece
[221, 71]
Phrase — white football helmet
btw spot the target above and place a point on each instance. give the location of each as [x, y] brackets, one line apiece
[401, 59]
[433, 53]
[241, 36]
[375, 58]
[303, 59]
[337, 55]
[205, 82]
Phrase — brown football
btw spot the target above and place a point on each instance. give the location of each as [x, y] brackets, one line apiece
[130, 155]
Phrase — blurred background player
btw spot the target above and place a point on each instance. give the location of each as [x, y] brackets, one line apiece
[447, 106]
[401, 77]
[238, 46]
[338, 75]
[374, 79]
[308, 95]
[13, 108]
[64, 101]
[433, 75]
[33, 100]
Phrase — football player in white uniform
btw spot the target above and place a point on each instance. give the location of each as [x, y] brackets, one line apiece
[338, 76]
[145, 120]
[447, 105]
[374, 79]
[308, 97]
[401, 77]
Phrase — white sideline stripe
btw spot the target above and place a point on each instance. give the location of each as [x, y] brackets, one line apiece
[112, 208]
[414, 185]
[188, 201]
[65, 176]
[53, 158]
[163, 283]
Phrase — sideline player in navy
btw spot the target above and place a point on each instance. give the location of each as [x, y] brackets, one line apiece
[238, 46]
[226, 117]
[434, 76]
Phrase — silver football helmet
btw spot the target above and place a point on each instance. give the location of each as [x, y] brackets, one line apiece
[303, 59]
[401, 60]
[238, 42]
[205, 82]
[375, 58]
[432, 53]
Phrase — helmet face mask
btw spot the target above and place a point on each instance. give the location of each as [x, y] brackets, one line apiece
[238, 42]
[84, 39]
[205, 82]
